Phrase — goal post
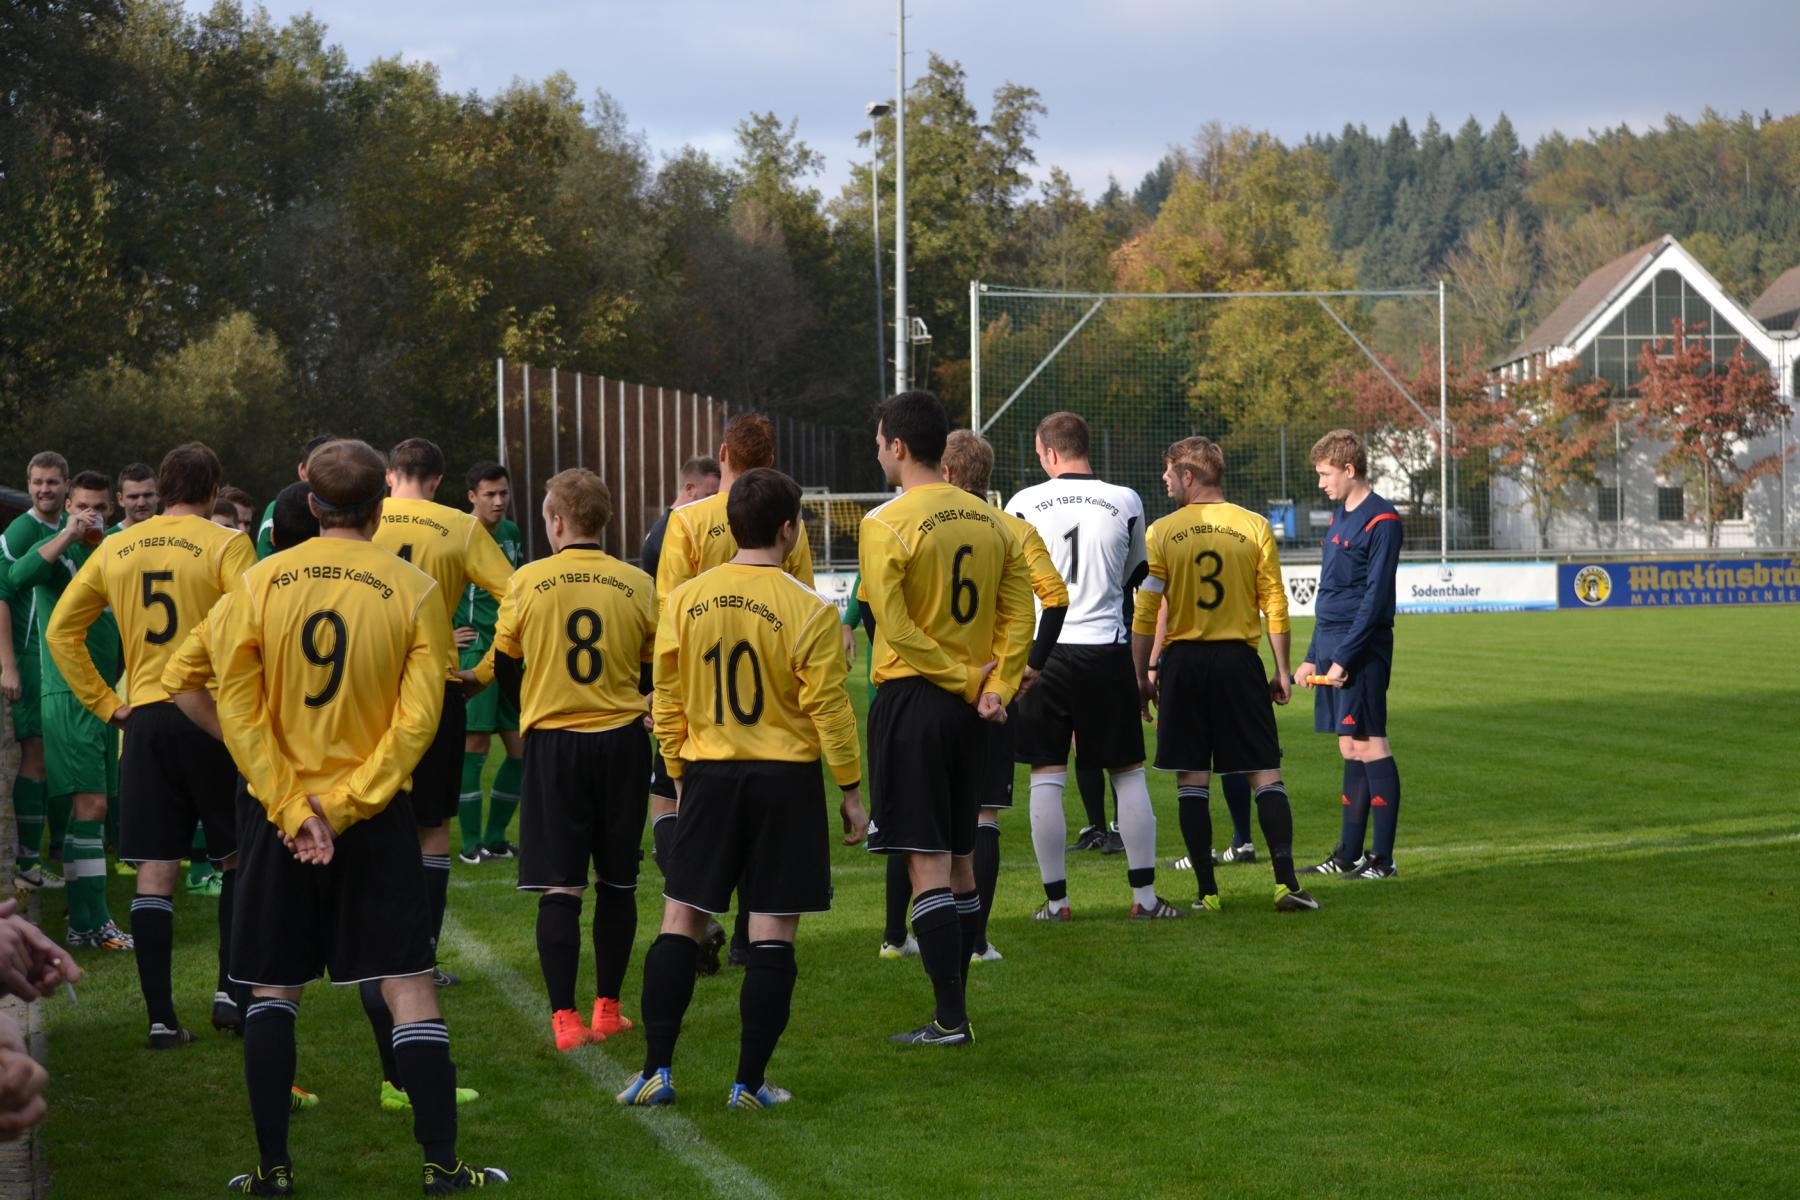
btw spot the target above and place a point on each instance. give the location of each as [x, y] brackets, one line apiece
[1135, 364]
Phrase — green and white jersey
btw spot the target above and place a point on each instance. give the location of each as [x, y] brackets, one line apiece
[477, 609]
[18, 545]
[103, 643]
[265, 533]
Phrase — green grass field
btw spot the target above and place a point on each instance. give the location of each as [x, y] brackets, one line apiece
[1583, 983]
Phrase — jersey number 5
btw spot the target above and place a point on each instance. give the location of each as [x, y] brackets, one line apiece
[162, 600]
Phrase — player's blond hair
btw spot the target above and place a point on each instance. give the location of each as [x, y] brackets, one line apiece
[1201, 457]
[581, 498]
[968, 461]
[1342, 448]
[48, 460]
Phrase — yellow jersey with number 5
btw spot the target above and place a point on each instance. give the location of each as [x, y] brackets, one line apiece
[1218, 567]
[950, 590]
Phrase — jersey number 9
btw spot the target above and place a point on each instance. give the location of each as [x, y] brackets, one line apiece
[329, 655]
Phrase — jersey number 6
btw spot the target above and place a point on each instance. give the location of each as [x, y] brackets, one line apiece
[964, 599]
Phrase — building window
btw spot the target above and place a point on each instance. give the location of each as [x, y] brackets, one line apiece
[1609, 504]
[1734, 507]
[1671, 504]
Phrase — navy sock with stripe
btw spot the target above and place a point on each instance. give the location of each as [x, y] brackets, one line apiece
[1384, 803]
[153, 931]
[938, 926]
[269, 1075]
[1196, 831]
[423, 1051]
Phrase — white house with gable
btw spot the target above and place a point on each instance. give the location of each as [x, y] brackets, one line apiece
[1603, 325]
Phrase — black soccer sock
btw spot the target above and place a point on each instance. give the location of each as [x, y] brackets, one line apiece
[1091, 781]
[763, 1004]
[437, 891]
[559, 946]
[227, 895]
[968, 919]
[987, 876]
[1276, 816]
[668, 989]
[662, 841]
[153, 931]
[1384, 802]
[1237, 799]
[1356, 811]
[615, 929]
[740, 928]
[938, 926]
[1196, 831]
[269, 1075]
[423, 1051]
[899, 891]
[381, 1022]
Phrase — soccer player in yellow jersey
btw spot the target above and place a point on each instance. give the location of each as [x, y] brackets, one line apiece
[969, 464]
[584, 624]
[750, 690]
[454, 548]
[698, 538]
[160, 577]
[951, 596]
[1216, 565]
[330, 683]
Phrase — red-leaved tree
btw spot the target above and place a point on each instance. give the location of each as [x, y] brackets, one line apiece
[1402, 436]
[1708, 413]
[1542, 434]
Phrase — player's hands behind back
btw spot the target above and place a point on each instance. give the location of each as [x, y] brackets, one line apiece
[315, 842]
[856, 819]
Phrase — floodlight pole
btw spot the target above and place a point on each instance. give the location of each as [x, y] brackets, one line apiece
[1443, 439]
[876, 110]
[902, 343]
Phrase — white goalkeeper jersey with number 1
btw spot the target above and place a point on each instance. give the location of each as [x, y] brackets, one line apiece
[1095, 534]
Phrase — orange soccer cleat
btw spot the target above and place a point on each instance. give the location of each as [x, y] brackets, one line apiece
[570, 1032]
[608, 1021]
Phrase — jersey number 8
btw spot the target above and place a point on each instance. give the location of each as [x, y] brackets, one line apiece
[584, 657]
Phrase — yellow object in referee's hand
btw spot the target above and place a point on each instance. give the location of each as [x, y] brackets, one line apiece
[1318, 681]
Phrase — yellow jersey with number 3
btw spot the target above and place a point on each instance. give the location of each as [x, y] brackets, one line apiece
[1218, 567]
[750, 667]
[330, 678]
[950, 590]
[585, 624]
[447, 544]
[160, 578]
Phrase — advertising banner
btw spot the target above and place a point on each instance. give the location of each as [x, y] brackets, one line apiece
[1430, 588]
[1674, 584]
[835, 587]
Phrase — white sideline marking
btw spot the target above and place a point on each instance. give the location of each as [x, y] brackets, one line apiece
[678, 1135]
[1604, 848]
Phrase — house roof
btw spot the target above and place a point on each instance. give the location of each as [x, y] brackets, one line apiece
[1779, 306]
[1588, 299]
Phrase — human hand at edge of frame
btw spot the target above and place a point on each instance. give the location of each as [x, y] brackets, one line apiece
[1281, 687]
[121, 715]
[989, 707]
[11, 685]
[1303, 674]
[1337, 677]
[464, 636]
[856, 818]
[22, 1081]
[849, 646]
[32, 966]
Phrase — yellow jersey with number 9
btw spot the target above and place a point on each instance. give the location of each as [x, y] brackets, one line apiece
[950, 590]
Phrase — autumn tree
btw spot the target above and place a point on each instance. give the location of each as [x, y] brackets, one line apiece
[1542, 435]
[1709, 414]
[1402, 426]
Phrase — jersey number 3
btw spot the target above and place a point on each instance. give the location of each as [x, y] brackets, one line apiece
[1209, 577]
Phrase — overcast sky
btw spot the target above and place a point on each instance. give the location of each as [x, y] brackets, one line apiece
[1122, 79]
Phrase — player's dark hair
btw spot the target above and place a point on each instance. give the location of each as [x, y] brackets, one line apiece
[699, 467]
[91, 481]
[313, 443]
[236, 495]
[968, 461]
[582, 498]
[749, 441]
[189, 475]
[1066, 433]
[349, 478]
[760, 501]
[48, 460]
[136, 473]
[484, 472]
[1342, 448]
[918, 419]
[416, 459]
[225, 508]
[293, 521]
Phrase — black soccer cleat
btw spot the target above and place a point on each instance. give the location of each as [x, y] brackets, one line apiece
[1370, 867]
[442, 978]
[933, 1034]
[501, 850]
[711, 942]
[278, 1182]
[472, 857]
[1091, 838]
[1114, 843]
[738, 955]
[446, 1181]
[164, 1037]
[226, 1016]
[1334, 866]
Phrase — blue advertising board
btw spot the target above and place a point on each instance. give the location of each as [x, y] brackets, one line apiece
[1669, 583]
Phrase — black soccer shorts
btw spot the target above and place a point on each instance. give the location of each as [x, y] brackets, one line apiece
[761, 827]
[1088, 694]
[927, 766]
[173, 774]
[1213, 711]
[583, 799]
[437, 780]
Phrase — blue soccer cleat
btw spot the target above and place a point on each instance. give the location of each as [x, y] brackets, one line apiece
[646, 1090]
[766, 1096]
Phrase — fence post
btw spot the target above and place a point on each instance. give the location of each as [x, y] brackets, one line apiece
[662, 451]
[580, 449]
[500, 409]
[555, 424]
[640, 471]
[530, 525]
